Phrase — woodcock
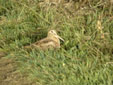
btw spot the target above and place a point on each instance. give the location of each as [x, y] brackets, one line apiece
[51, 41]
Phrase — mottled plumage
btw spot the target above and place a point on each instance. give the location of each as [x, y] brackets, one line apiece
[51, 41]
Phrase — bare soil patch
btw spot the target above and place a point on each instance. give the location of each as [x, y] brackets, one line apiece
[9, 74]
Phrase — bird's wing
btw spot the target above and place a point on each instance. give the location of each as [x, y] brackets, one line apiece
[43, 41]
[46, 42]
[38, 43]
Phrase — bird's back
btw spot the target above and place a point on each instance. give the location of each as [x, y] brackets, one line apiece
[47, 43]
[44, 44]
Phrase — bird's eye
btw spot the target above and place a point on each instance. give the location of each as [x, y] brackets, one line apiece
[53, 32]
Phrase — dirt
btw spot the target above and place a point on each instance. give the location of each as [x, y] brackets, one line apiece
[9, 74]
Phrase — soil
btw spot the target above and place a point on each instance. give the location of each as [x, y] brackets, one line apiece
[9, 75]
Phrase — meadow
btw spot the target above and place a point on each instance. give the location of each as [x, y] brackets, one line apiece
[86, 56]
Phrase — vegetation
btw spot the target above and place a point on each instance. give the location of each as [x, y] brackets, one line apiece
[86, 56]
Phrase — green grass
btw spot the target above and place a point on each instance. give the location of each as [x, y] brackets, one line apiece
[85, 58]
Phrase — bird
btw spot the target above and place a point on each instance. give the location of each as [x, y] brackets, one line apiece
[52, 41]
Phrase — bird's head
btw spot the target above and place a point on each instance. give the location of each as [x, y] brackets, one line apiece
[53, 34]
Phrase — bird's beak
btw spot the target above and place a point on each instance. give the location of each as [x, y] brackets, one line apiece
[60, 38]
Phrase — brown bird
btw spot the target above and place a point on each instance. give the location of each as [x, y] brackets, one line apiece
[51, 41]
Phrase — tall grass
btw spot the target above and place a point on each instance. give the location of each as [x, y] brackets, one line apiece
[86, 56]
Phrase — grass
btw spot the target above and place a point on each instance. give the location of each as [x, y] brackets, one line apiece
[86, 56]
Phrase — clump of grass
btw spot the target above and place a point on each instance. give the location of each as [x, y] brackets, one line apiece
[84, 57]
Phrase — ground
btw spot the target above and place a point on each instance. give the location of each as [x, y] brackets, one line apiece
[9, 75]
[86, 56]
